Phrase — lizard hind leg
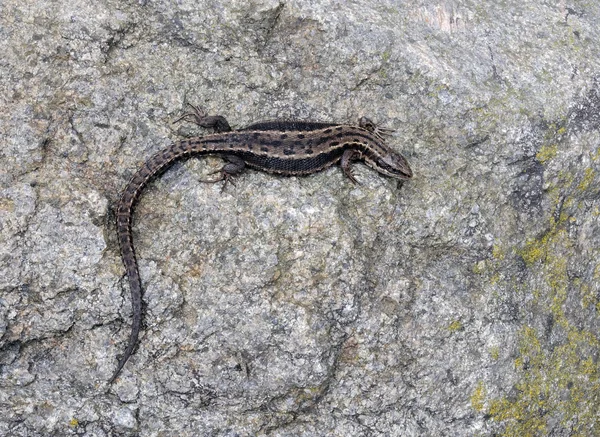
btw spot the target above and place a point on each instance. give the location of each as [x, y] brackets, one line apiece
[347, 158]
[232, 168]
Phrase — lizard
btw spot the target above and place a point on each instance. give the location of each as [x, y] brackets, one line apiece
[288, 148]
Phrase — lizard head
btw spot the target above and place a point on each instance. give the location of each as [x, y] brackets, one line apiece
[391, 164]
[384, 159]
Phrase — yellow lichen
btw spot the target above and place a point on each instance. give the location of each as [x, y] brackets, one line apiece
[563, 382]
[7, 204]
[546, 153]
[495, 278]
[533, 252]
[478, 397]
[497, 252]
[455, 325]
[495, 352]
[479, 267]
[587, 180]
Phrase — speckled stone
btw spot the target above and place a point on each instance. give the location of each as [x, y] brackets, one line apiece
[463, 302]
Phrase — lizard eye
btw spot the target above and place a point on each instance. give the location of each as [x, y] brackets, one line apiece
[389, 160]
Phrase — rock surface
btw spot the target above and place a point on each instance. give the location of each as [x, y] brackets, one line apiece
[463, 302]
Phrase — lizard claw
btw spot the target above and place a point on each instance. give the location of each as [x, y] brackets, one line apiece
[197, 114]
[371, 126]
[225, 177]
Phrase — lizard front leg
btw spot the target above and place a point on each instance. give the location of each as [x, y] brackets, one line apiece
[201, 118]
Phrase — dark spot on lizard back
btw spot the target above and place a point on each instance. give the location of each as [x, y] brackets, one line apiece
[271, 143]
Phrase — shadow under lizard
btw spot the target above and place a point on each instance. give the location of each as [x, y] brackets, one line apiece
[288, 148]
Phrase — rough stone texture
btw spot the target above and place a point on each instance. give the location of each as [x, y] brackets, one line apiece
[464, 302]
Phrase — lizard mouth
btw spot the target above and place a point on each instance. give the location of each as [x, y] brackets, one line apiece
[395, 166]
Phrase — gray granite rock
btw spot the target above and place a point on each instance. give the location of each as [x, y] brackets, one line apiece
[463, 302]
